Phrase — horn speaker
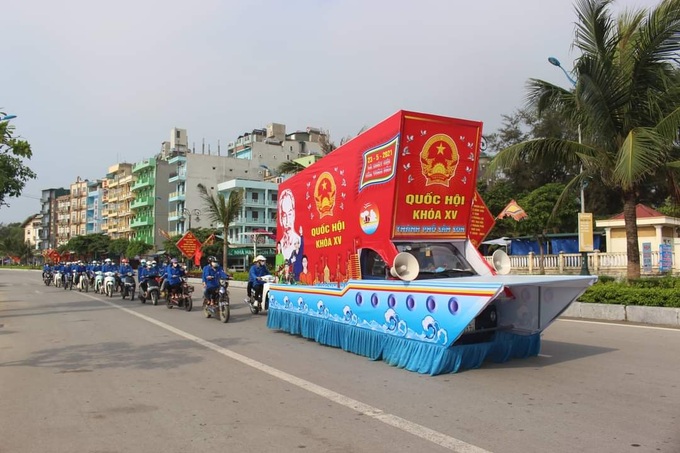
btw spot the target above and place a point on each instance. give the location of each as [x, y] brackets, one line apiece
[405, 267]
[501, 262]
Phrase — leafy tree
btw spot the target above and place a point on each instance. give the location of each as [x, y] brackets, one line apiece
[119, 247]
[13, 173]
[137, 248]
[290, 167]
[539, 221]
[223, 211]
[625, 101]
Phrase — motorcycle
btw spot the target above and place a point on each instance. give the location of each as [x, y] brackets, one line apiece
[48, 278]
[128, 285]
[57, 280]
[109, 283]
[181, 296]
[68, 282]
[83, 282]
[152, 292]
[99, 282]
[218, 303]
[258, 302]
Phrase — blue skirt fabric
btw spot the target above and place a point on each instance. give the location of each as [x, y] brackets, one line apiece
[413, 355]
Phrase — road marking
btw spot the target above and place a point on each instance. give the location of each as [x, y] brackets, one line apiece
[415, 429]
[545, 356]
[637, 326]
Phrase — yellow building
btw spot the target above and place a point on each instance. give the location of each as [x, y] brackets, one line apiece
[116, 213]
[63, 219]
[653, 227]
[78, 207]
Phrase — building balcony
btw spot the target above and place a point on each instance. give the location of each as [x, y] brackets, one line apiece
[178, 176]
[177, 196]
[177, 159]
[113, 197]
[174, 216]
[140, 221]
[142, 202]
[143, 165]
[144, 182]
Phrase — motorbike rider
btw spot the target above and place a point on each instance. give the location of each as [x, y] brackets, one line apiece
[67, 269]
[108, 266]
[173, 277]
[212, 273]
[257, 271]
[80, 271]
[47, 270]
[142, 276]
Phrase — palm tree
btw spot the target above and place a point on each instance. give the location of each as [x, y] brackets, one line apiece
[222, 210]
[626, 101]
[290, 167]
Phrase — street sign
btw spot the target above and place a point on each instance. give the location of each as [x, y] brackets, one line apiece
[585, 232]
[188, 244]
[665, 257]
[647, 257]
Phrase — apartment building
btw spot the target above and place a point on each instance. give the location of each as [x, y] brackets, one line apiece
[149, 206]
[117, 213]
[78, 207]
[32, 230]
[48, 210]
[95, 192]
[63, 219]
[258, 215]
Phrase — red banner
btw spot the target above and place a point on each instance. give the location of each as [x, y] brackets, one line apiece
[481, 221]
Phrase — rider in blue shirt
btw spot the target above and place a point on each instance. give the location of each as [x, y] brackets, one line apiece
[173, 276]
[257, 271]
[212, 273]
[109, 266]
[79, 270]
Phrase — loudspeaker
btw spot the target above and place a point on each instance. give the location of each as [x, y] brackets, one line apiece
[405, 267]
[501, 262]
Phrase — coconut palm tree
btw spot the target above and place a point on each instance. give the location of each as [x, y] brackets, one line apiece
[626, 102]
[223, 211]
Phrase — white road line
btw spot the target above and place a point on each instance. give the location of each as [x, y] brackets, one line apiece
[415, 429]
[618, 324]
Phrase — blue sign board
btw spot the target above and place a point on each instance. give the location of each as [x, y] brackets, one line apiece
[665, 258]
[647, 257]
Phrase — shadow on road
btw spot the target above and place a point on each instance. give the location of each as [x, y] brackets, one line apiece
[91, 357]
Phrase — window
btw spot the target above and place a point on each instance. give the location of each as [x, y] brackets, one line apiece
[256, 215]
[254, 196]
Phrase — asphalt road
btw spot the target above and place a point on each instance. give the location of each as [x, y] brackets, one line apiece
[83, 373]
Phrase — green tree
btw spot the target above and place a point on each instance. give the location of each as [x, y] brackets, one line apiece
[625, 101]
[137, 248]
[13, 173]
[119, 247]
[540, 220]
[222, 211]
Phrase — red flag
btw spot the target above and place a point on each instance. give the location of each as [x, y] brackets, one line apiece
[513, 210]
[163, 233]
[210, 240]
[197, 257]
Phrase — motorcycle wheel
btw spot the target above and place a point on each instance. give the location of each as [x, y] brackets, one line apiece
[154, 298]
[225, 313]
[168, 304]
[253, 309]
[142, 299]
[87, 288]
[188, 304]
[123, 294]
[132, 295]
[206, 311]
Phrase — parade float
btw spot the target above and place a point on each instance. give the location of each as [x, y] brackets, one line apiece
[379, 240]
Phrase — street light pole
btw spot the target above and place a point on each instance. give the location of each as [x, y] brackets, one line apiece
[189, 213]
[584, 255]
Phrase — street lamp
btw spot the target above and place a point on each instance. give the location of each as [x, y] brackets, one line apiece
[188, 213]
[584, 255]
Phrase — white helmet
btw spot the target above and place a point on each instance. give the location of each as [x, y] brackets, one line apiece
[260, 258]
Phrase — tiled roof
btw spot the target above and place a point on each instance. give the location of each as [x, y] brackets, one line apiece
[641, 212]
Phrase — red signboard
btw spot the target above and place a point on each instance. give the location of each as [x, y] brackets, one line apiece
[188, 244]
[481, 220]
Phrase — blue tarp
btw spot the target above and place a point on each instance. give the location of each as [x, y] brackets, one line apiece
[557, 245]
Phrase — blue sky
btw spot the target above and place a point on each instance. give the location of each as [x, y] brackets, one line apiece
[94, 83]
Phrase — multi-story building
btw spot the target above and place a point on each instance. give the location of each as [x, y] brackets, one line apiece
[252, 156]
[32, 230]
[63, 219]
[118, 200]
[258, 215]
[150, 207]
[48, 209]
[95, 192]
[78, 207]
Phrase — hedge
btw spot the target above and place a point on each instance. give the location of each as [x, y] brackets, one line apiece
[651, 292]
